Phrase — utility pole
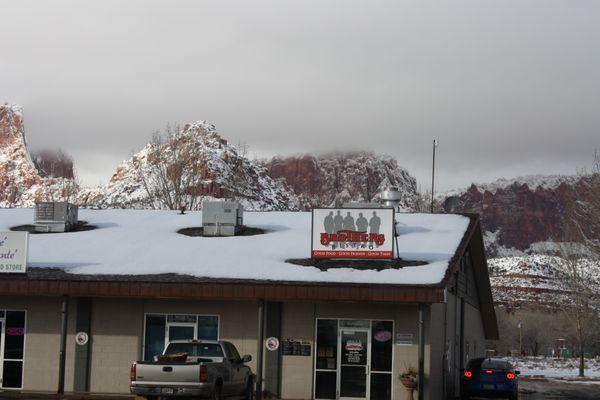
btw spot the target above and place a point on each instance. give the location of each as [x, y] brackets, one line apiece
[520, 339]
[435, 144]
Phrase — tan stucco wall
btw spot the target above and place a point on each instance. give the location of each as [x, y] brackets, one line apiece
[42, 341]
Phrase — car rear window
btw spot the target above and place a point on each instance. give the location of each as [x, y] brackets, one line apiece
[489, 363]
[195, 349]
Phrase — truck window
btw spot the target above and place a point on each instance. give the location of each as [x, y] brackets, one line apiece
[195, 349]
[233, 353]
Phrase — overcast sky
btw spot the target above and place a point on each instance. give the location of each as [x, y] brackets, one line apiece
[509, 87]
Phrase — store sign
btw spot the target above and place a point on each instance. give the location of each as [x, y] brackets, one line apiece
[404, 339]
[354, 352]
[15, 331]
[382, 336]
[296, 347]
[13, 252]
[353, 233]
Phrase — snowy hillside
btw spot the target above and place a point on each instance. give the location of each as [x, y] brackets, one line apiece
[20, 183]
[335, 178]
[533, 182]
[535, 281]
[211, 169]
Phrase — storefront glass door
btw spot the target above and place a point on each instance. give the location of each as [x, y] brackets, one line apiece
[354, 359]
[181, 331]
[354, 363]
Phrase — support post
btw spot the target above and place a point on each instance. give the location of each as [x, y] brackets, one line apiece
[260, 349]
[83, 317]
[421, 376]
[63, 344]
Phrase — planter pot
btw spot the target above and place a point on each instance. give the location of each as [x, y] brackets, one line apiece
[410, 386]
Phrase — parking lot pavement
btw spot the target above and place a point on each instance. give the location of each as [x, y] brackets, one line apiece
[558, 389]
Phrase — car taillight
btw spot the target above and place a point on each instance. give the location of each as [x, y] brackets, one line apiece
[468, 374]
[510, 376]
[203, 373]
[132, 372]
[489, 371]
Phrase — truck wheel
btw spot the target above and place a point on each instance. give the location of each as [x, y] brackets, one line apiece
[249, 390]
[218, 392]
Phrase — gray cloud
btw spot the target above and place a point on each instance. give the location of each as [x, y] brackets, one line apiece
[509, 87]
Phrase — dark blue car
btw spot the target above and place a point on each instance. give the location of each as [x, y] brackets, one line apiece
[489, 378]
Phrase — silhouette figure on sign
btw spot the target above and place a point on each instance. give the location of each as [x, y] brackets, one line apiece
[349, 222]
[361, 223]
[338, 223]
[374, 223]
[328, 223]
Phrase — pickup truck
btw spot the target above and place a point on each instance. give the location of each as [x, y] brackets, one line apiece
[194, 368]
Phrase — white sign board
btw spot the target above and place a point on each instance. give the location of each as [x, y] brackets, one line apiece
[353, 233]
[13, 252]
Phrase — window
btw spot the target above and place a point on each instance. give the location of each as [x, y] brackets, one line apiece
[161, 328]
[326, 362]
[233, 352]
[12, 331]
[382, 334]
[196, 349]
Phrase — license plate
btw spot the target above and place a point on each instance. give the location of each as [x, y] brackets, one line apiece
[489, 386]
[168, 390]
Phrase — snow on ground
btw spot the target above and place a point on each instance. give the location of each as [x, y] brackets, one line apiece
[145, 242]
[554, 367]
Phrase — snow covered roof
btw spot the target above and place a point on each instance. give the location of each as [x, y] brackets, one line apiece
[145, 242]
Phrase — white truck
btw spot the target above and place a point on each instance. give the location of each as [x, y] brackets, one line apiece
[194, 368]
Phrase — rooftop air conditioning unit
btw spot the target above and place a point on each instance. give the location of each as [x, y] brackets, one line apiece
[57, 216]
[222, 218]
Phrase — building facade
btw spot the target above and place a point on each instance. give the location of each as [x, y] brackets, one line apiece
[336, 339]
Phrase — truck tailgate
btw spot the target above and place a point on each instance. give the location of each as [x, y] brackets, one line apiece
[169, 372]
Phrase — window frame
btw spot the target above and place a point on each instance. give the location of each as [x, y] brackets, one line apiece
[22, 360]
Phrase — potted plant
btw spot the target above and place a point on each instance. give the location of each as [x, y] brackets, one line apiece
[409, 380]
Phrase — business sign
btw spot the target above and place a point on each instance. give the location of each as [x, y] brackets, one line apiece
[13, 252]
[353, 233]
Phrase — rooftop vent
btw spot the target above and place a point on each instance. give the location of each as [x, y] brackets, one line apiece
[55, 216]
[391, 196]
[222, 218]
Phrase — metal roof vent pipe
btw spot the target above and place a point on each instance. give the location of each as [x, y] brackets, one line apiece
[390, 197]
